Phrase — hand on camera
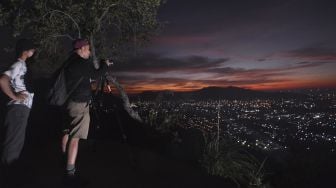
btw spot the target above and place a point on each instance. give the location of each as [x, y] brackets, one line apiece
[108, 62]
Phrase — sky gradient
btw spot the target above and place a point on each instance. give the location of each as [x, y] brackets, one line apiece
[257, 44]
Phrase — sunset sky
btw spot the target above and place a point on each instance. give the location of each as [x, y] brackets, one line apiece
[256, 44]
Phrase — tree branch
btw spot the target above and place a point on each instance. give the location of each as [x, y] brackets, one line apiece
[69, 16]
[100, 19]
[65, 35]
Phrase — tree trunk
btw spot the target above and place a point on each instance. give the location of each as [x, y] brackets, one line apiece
[93, 53]
[109, 77]
[124, 97]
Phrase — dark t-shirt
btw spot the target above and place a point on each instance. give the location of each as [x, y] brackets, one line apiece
[78, 68]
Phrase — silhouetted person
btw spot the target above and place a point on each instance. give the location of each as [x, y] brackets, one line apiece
[15, 83]
[78, 72]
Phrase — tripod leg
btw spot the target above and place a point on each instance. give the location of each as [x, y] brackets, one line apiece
[125, 140]
[97, 123]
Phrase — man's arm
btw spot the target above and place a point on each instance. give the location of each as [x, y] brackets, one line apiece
[6, 88]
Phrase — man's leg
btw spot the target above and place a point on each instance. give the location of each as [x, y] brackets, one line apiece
[15, 125]
[70, 151]
[79, 120]
[72, 155]
[65, 140]
[15, 129]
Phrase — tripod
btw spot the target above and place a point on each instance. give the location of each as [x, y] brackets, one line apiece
[96, 106]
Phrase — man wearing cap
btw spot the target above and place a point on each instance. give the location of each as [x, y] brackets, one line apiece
[13, 84]
[78, 72]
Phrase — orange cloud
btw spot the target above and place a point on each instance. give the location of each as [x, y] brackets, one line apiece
[195, 85]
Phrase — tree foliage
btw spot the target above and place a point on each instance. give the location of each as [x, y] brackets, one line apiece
[112, 26]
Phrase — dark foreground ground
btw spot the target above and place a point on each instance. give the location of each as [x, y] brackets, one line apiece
[104, 160]
[110, 164]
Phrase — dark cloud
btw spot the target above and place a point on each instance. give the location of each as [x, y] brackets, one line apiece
[314, 53]
[150, 68]
[242, 82]
[265, 72]
[132, 79]
[306, 64]
[223, 77]
[144, 80]
[154, 63]
[239, 77]
[226, 70]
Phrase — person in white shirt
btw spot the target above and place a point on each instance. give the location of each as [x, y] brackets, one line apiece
[13, 85]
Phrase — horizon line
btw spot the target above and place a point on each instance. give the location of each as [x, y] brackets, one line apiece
[129, 91]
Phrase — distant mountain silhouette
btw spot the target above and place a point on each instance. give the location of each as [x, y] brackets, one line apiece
[227, 93]
[216, 93]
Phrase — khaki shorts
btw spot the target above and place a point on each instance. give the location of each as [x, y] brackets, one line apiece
[78, 119]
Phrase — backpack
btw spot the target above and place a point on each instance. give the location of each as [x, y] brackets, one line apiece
[58, 94]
